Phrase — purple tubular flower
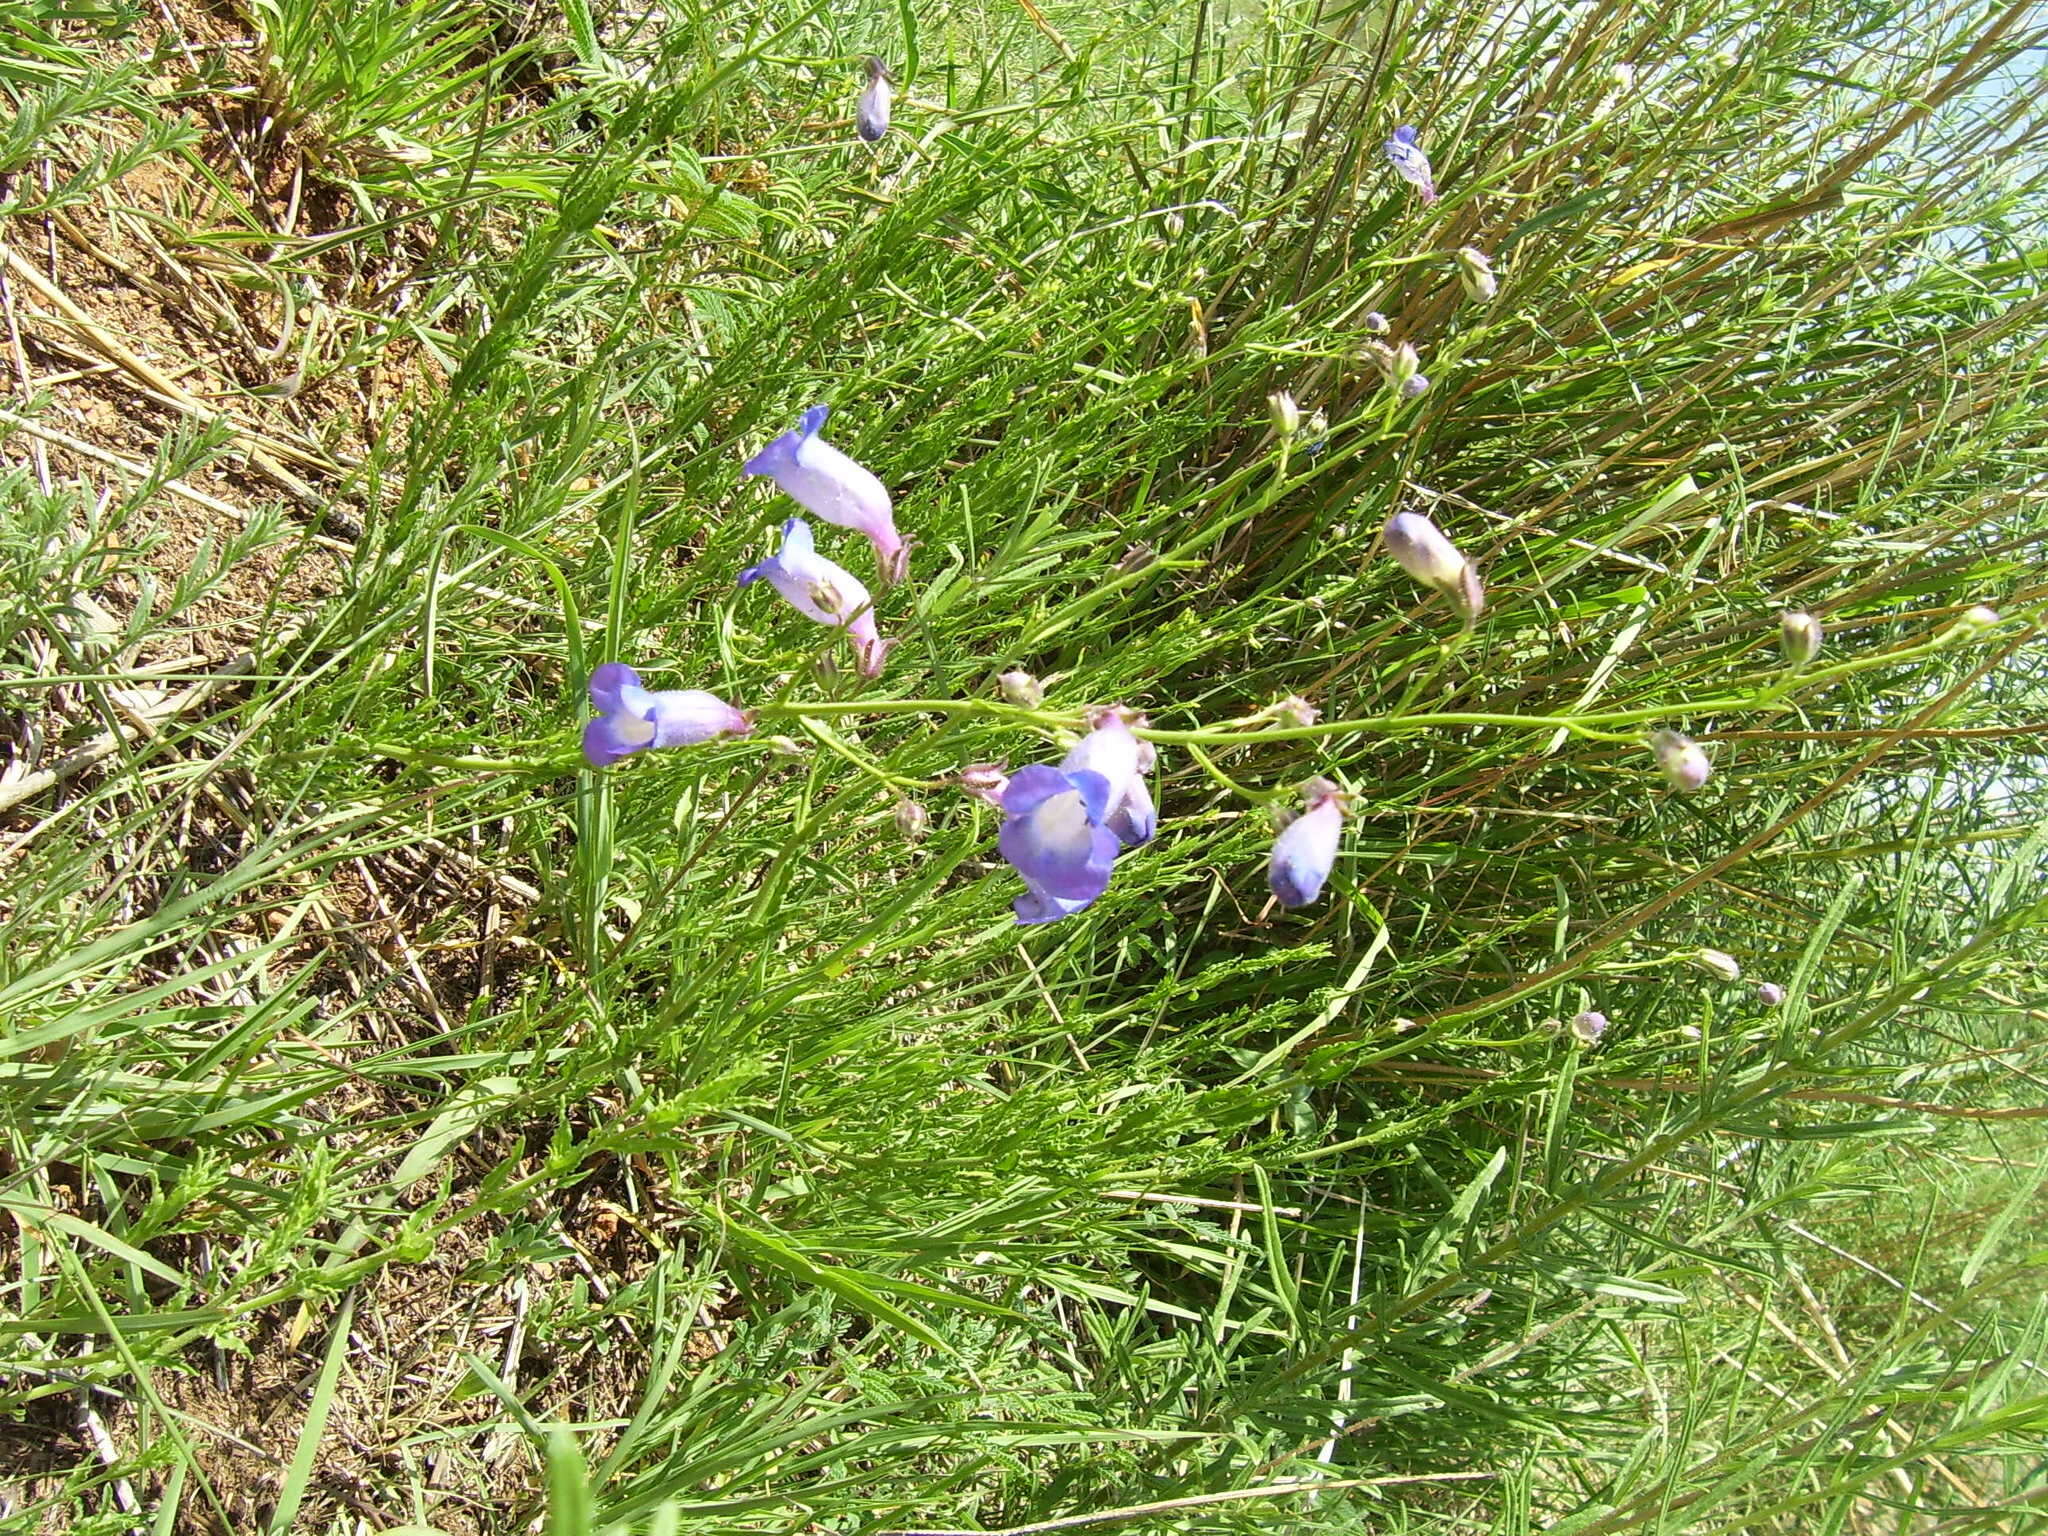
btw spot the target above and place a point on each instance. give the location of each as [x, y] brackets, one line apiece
[1306, 850]
[631, 719]
[830, 485]
[822, 591]
[1121, 760]
[1410, 163]
[1055, 836]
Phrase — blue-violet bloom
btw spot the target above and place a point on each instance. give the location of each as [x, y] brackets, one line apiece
[631, 718]
[1306, 849]
[828, 484]
[1410, 163]
[1055, 835]
[1122, 760]
[871, 115]
[822, 591]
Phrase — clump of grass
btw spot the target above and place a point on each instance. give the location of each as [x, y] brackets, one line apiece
[689, 1112]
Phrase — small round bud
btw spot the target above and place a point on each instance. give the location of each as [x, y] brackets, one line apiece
[1799, 637]
[1475, 272]
[1286, 414]
[1684, 764]
[1722, 964]
[1415, 384]
[912, 819]
[1588, 1027]
[785, 746]
[1770, 994]
[1977, 619]
[1136, 558]
[1295, 710]
[1022, 689]
[1376, 323]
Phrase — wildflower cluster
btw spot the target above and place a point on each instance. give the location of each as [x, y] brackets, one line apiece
[1066, 825]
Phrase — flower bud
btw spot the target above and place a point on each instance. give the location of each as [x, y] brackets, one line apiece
[985, 781]
[1770, 994]
[1721, 963]
[1799, 637]
[1286, 414]
[912, 819]
[1022, 689]
[785, 746]
[1420, 548]
[1475, 271]
[1294, 710]
[1976, 620]
[1588, 1027]
[1684, 764]
[1376, 323]
[1136, 558]
[1306, 849]
[1415, 384]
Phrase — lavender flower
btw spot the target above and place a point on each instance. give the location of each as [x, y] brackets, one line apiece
[1420, 548]
[1306, 848]
[1410, 163]
[830, 485]
[871, 115]
[1684, 764]
[822, 591]
[631, 719]
[1064, 825]
[1588, 1027]
[1056, 835]
[1122, 760]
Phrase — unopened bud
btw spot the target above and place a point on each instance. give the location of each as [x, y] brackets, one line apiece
[1407, 365]
[1721, 963]
[1022, 689]
[912, 819]
[1684, 764]
[1770, 994]
[1295, 710]
[985, 781]
[1974, 621]
[1415, 384]
[1799, 637]
[1376, 323]
[1420, 548]
[1475, 271]
[1588, 1027]
[1136, 558]
[1286, 414]
[785, 746]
